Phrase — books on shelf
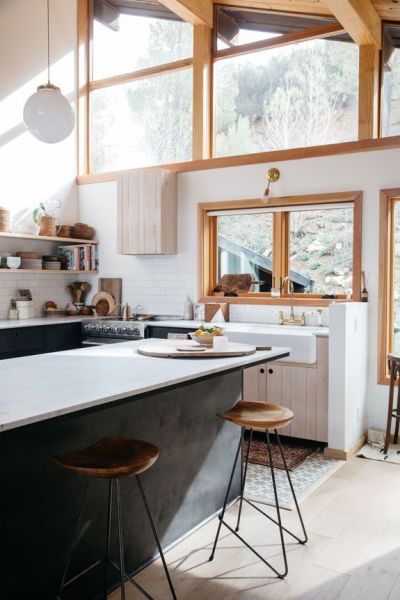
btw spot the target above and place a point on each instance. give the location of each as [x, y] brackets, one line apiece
[80, 257]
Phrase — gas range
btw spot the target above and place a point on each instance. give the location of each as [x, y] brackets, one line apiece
[97, 332]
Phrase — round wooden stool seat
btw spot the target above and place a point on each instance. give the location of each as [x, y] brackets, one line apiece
[111, 457]
[258, 415]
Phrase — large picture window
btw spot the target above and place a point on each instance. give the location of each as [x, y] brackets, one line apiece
[313, 243]
[141, 87]
[295, 95]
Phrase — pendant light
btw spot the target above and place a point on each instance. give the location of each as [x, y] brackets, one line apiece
[47, 113]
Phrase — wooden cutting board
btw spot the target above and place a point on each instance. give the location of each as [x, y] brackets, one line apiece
[112, 285]
[165, 350]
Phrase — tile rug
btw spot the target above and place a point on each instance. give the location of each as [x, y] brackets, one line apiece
[306, 478]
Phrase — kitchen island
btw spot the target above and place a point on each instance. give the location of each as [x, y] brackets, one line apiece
[54, 403]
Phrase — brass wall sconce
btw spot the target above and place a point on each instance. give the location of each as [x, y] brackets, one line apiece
[272, 176]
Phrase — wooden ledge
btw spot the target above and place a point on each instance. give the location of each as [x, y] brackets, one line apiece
[388, 143]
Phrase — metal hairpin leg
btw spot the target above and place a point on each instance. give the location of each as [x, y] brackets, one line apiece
[243, 480]
[278, 510]
[121, 541]
[242, 498]
[222, 513]
[153, 528]
[75, 538]
[292, 488]
[108, 530]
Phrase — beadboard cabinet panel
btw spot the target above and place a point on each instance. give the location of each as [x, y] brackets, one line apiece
[147, 212]
[303, 389]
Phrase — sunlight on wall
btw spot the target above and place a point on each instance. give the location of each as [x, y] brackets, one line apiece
[32, 171]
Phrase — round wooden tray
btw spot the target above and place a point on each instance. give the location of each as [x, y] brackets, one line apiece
[170, 350]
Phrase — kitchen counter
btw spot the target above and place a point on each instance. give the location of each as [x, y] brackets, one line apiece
[181, 323]
[95, 376]
[56, 403]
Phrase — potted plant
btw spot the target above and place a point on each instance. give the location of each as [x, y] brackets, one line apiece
[46, 221]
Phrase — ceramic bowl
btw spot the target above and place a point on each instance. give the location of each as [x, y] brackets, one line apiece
[13, 262]
[204, 340]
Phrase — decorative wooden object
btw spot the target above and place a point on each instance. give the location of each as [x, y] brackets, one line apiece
[256, 415]
[146, 214]
[234, 284]
[217, 311]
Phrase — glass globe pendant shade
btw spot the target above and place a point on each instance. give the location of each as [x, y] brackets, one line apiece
[48, 114]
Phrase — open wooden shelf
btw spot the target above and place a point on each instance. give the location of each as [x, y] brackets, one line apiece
[45, 238]
[46, 271]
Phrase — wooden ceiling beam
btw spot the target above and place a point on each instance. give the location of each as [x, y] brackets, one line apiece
[196, 12]
[360, 19]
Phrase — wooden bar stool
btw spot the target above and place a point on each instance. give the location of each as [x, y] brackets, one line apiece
[250, 415]
[393, 413]
[111, 458]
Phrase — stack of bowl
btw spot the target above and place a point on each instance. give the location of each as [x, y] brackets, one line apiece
[30, 260]
[51, 263]
[4, 219]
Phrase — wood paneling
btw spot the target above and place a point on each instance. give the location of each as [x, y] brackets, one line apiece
[202, 85]
[261, 157]
[197, 12]
[146, 212]
[368, 92]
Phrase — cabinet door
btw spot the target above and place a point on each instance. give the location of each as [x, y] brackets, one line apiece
[21, 341]
[147, 218]
[255, 383]
[61, 337]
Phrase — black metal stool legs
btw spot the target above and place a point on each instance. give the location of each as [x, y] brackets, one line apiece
[108, 533]
[222, 513]
[292, 490]
[146, 505]
[243, 479]
[113, 483]
[242, 498]
[64, 583]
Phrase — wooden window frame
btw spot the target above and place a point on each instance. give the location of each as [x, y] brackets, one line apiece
[388, 199]
[202, 61]
[208, 251]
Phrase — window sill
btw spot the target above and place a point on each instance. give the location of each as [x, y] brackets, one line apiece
[260, 157]
[270, 301]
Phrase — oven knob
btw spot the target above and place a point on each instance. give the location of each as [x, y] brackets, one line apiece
[121, 330]
[136, 331]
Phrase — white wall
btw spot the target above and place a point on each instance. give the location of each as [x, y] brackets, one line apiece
[31, 171]
[160, 283]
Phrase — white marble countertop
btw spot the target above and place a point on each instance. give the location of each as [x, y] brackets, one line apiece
[36, 388]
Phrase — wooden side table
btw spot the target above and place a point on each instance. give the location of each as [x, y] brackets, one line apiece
[393, 413]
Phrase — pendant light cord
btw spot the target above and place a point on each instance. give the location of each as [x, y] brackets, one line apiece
[48, 41]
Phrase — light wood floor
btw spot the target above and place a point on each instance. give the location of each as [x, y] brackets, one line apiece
[353, 522]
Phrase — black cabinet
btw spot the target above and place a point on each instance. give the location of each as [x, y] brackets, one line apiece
[25, 341]
[161, 331]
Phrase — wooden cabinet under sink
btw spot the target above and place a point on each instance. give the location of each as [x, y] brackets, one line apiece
[302, 388]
